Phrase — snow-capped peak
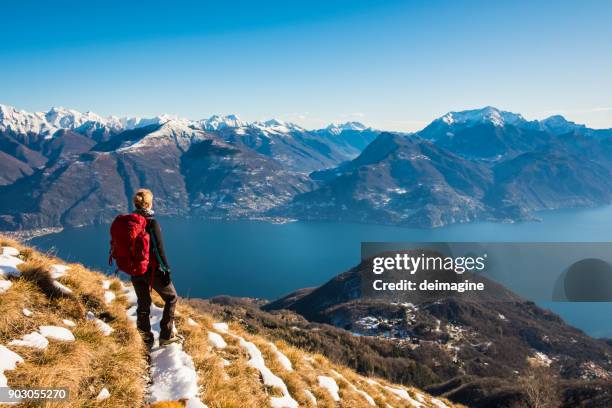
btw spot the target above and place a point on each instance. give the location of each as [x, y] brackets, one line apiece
[216, 122]
[20, 121]
[88, 123]
[487, 114]
[63, 118]
[276, 126]
[558, 125]
[274, 122]
[337, 128]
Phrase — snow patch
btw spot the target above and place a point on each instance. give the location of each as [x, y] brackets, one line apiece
[56, 333]
[103, 394]
[282, 359]
[269, 378]
[62, 288]
[109, 297]
[543, 358]
[57, 270]
[8, 361]
[8, 266]
[310, 396]
[192, 322]
[33, 340]
[438, 403]
[130, 295]
[364, 394]
[10, 251]
[106, 284]
[102, 326]
[5, 285]
[403, 394]
[330, 385]
[221, 327]
[26, 312]
[216, 340]
[69, 323]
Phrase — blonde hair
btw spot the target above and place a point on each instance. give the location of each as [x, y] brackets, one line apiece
[143, 199]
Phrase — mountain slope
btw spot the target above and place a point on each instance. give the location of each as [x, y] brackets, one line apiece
[189, 170]
[63, 168]
[66, 326]
[482, 164]
[401, 180]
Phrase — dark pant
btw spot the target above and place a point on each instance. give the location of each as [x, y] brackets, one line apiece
[167, 293]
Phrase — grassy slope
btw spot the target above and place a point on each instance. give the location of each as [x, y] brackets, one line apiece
[119, 361]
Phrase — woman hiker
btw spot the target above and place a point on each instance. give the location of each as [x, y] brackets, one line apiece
[160, 281]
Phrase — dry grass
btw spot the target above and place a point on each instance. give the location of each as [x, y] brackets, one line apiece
[92, 361]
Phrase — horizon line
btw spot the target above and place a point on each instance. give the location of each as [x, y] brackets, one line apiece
[173, 116]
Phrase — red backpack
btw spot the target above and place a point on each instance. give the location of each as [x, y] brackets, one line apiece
[130, 244]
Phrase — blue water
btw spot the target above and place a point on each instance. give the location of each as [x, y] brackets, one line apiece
[258, 259]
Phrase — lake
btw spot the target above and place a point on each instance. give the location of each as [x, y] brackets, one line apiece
[259, 259]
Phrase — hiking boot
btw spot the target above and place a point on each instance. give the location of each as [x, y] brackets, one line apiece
[175, 338]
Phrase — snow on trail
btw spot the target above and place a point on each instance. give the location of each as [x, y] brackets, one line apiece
[330, 385]
[172, 372]
[282, 359]
[364, 394]
[33, 340]
[269, 378]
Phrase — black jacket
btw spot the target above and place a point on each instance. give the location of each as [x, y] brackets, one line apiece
[156, 238]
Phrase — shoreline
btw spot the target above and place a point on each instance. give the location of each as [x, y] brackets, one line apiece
[26, 235]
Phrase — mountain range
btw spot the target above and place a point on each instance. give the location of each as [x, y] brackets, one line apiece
[63, 168]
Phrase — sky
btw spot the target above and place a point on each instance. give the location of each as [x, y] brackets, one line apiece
[393, 65]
